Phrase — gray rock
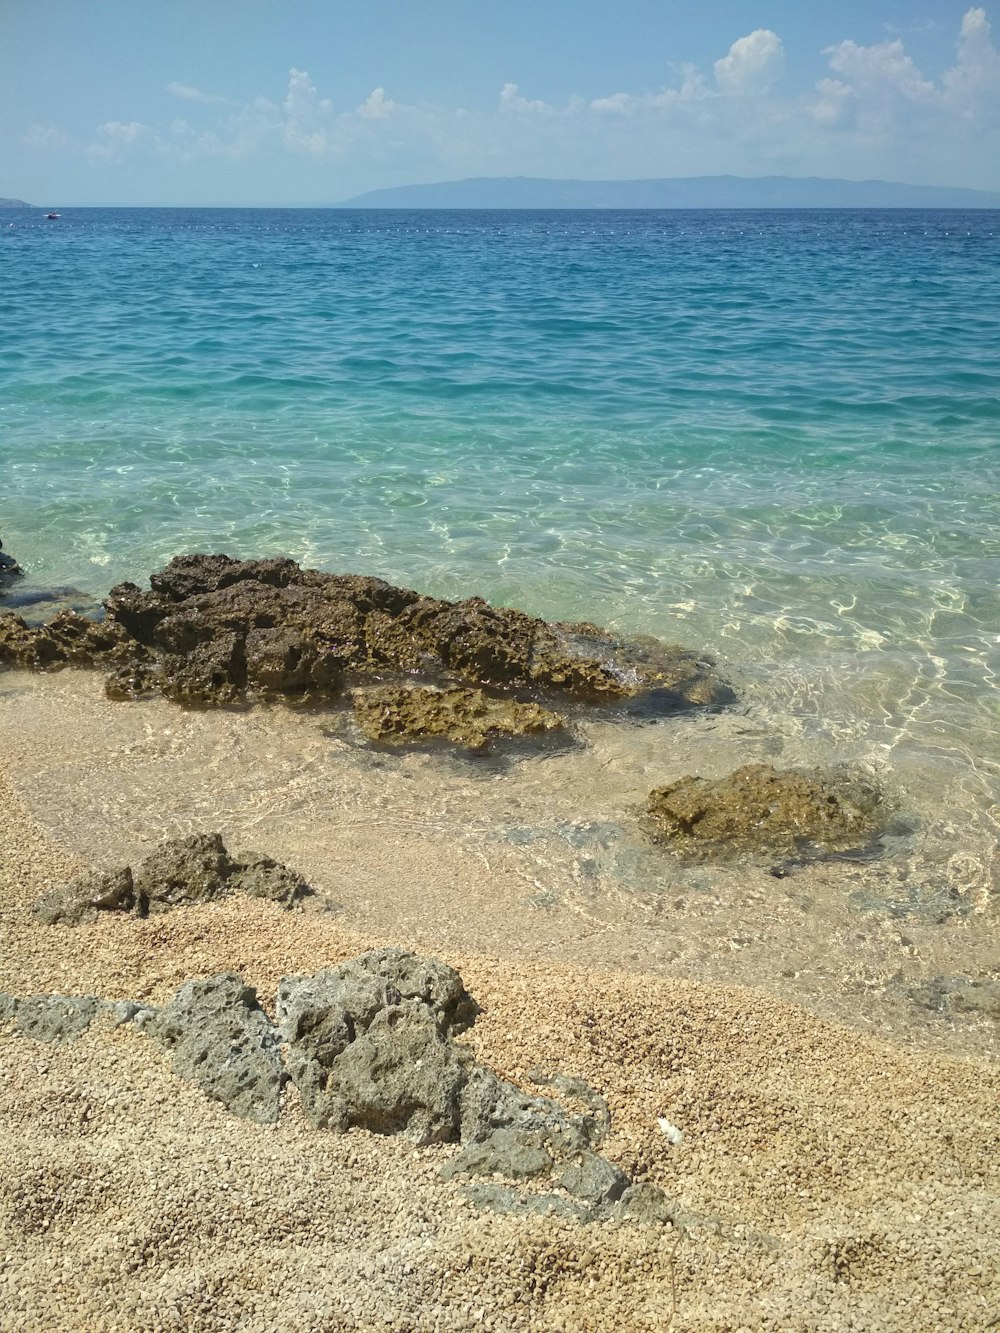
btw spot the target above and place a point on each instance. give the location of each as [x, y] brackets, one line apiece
[8, 1007]
[182, 871]
[262, 877]
[223, 1041]
[369, 1044]
[509, 1202]
[84, 896]
[517, 1154]
[55, 1017]
[490, 1104]
[120, 1012]
[402, 1076]
[593, 1178]
[646, 1205]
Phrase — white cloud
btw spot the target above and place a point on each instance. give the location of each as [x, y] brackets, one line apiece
[115, 138]
[972, 85]
[754, 64]
[881, 70]
[376, 106]
[187, 93]
[45, 139]
[874, 114]
[511, 100]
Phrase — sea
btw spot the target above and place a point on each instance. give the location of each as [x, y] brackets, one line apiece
[771, 436]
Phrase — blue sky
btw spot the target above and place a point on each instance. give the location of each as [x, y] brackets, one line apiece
[311, 101]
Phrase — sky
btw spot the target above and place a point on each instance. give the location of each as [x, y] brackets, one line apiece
[308, 102]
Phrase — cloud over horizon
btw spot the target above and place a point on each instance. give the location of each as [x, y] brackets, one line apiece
[874, 113]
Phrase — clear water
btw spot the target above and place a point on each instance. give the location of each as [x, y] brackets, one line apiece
[772, 435]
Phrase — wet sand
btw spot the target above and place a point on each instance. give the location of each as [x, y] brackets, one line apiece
[840, 1143]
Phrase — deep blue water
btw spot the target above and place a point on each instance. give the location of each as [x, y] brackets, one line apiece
[772, 433]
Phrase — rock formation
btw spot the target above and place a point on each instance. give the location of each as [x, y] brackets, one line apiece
[404, 715]
[9, 569]
[372, 1044]
[214, 631]
[181, 872]
[763, 811]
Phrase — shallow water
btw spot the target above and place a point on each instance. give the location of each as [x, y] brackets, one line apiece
[771, 435]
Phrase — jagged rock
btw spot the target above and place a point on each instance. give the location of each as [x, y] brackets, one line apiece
[68, 639]
[260, 876]
[639, 1205]
[507, 1201]
[198, 869]
[120, 1012]
[648, 1205]
[219, 628]
[181, 872]
[86, 895]
[8, 1007]
[762, 810]
[55, 1017]
[593, 1178]
[959, 995]
[369, 1044]
[9, 569]
[517, 1154]
[221, 1040]
[401, 715]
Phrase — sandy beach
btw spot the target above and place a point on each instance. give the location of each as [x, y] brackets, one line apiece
[838, 1162]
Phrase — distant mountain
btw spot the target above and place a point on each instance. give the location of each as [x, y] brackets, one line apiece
[14, 203]
[675, 192]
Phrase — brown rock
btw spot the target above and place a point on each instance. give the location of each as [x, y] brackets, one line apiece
[87, 894]
[402, 715]
[762, 810]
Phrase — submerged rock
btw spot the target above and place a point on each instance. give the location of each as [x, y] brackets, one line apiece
[403, 715]
[761, 810]
[181, 872]
[221, 1040]
[68, 639]
[213, 631]
[959, 995]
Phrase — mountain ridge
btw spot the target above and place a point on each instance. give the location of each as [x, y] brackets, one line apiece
[672, 192]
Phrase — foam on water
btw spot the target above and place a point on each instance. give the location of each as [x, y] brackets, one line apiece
[771, 435]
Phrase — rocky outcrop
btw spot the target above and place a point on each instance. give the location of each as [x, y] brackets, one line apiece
[406, 715]
[763, 811]
[9, 569]
[181, 872]
[55, 1017]
[213, 631]
[221, 1040]
[371, 1044]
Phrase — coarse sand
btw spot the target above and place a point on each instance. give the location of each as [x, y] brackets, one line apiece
[829, 1179]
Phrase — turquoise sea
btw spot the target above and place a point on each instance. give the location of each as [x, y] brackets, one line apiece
[773, 435]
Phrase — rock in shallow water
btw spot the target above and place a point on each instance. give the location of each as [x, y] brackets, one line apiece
[760, 810]
[406, 715]
[214, 631]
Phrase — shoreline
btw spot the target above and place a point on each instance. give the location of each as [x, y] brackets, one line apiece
[830, 1150]
[830, 1175]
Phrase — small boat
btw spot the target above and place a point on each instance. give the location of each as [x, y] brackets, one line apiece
[52, 217]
